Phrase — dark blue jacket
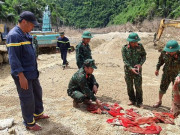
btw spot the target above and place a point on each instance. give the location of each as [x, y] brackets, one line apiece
[22, 56]
[63, 43]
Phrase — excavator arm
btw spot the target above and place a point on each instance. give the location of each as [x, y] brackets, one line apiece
[163, 24]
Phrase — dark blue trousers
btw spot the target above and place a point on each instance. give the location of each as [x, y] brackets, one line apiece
[30, 100]
[64, 56]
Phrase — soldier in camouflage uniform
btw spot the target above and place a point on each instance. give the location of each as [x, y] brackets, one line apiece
[170, 58]
[83, 86]
[175, 109]
[83, 50]
[134, 56]
[35, 46]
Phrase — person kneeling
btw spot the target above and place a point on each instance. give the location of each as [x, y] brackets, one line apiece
[83, 86]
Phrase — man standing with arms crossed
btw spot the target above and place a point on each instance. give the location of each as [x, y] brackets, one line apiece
[24, 70]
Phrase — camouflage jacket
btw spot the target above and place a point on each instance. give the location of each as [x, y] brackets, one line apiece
[83, 83]
[171, 63]
[133, 56]
[35, 43]
[83, 52]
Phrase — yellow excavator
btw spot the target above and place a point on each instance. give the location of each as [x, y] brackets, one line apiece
[163, 24]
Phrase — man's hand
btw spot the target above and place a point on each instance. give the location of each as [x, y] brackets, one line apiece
[134, 70]
[138, 67]
[99, 111]
[23, 81]
[98, 102]
[177, 81]
[95, 89]
[157, 72]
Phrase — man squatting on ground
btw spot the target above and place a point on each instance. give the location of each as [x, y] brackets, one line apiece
[170, 58]
[83, 86]
[22, 59]
[134, 56]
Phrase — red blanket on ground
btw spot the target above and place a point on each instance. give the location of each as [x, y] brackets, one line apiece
[132, 121]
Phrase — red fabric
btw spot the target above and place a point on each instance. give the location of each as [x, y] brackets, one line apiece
[146, 120]
[114, 109]
[114, 121]
[115, 112]
[163, 117]
[132, 115]
[93, 108]
[126, 122]
[131, 119]
[110, 120]
[152, 129]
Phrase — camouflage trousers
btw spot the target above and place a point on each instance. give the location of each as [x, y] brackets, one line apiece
[79, 97]
[133, 79]
[167, 78]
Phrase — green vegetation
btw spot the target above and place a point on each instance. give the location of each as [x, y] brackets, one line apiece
[138, 10]
[10, 9]
[92, 13]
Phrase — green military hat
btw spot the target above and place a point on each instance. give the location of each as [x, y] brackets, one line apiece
[35, 35]
[90, 63]
[133, 37]
[61, 33]
[86, 34]
[172, 46]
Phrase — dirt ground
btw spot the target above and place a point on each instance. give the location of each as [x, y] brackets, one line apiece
[66, 120]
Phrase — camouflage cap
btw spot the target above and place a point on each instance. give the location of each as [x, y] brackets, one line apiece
[90, 63]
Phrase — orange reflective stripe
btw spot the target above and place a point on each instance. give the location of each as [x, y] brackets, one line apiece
[19, 44]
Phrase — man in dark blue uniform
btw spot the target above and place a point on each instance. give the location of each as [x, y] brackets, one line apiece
[64, 45]
[24, 70]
